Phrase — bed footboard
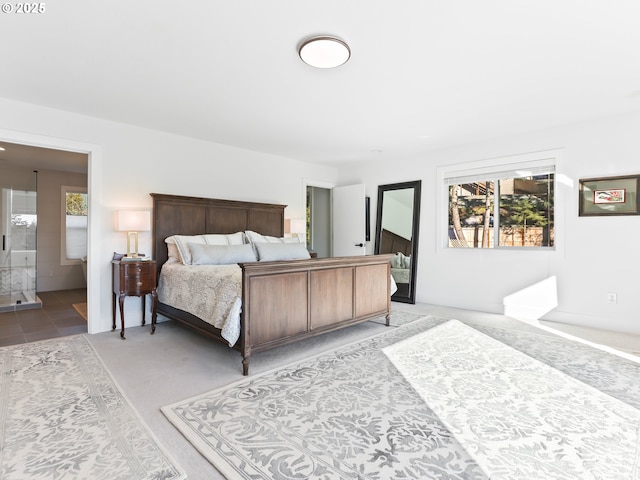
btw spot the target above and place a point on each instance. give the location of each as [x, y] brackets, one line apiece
[284, 302]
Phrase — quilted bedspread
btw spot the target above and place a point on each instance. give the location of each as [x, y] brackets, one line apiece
[211, 292]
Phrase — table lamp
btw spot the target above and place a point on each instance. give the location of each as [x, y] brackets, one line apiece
[132, 222]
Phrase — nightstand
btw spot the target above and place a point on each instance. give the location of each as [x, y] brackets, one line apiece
[134, 278]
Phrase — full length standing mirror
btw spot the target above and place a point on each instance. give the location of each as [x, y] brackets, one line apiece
[397, 228]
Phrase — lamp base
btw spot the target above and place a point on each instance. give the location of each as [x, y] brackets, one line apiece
[132, 237]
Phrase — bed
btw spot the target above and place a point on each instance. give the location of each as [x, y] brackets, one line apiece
[281, 301]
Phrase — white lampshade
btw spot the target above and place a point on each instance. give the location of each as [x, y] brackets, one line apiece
[133, 220]
[298, 225]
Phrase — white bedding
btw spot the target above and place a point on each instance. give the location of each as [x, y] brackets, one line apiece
[401, 275]
[212, 293]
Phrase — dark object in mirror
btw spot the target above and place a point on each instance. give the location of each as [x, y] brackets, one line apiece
[397, 229]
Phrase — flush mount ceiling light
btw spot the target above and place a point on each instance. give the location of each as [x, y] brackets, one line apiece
[324, 52]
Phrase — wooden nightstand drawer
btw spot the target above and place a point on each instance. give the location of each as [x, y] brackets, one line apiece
[137, 278]
[137, 284]
[136, 268]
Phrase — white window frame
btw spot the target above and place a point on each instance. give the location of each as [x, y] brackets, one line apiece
[63, 224]
[488, 169]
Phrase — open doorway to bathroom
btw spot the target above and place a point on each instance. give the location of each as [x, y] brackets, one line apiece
[48, 287]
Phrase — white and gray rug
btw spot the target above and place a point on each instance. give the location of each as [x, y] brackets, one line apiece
[350, 414]
[63, 417]
[516, 416]
[398, 318]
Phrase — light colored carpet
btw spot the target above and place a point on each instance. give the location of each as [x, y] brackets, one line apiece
[63, 417]
[349, 414]
[398, 318]
[81, 308]
[516, 416]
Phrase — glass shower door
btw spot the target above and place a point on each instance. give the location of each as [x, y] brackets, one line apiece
[18, 205]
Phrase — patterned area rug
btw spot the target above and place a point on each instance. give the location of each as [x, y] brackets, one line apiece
[62, 416]
[398, 318]
[350, 414]
[518, 417]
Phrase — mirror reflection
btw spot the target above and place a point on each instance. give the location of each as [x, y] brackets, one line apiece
[397, 233]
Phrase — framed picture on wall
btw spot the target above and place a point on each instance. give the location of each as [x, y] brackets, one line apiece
[609, 196]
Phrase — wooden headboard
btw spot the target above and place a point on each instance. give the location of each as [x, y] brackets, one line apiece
[178, 215]
[392, 243]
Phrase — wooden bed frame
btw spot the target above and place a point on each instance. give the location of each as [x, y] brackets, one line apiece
[282, 302]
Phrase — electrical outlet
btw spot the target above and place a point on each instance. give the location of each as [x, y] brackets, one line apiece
[612, 298]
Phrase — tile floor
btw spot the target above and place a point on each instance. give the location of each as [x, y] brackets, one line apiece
[56, 318]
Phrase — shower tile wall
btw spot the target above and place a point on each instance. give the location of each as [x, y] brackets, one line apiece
[16, 279]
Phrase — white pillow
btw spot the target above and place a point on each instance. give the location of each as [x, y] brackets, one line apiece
[228, 239]
[172, 252]
[257, 238]
[397, 261]
[221, 254]
[407, 262]
[268, 252]
[183, 241]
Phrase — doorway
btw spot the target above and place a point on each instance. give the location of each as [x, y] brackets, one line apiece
[335, 223]
[46, 270]
[318, 215]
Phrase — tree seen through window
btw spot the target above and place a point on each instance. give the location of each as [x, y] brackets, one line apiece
[506, 212]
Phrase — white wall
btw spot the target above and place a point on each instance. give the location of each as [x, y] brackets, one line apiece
[594, 255]
[126, 163]
[397, 217]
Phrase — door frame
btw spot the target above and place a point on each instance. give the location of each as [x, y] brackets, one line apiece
[94, 171]
[306, 182]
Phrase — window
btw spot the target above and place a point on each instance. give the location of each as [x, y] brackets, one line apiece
[502, 205]
[74, 224]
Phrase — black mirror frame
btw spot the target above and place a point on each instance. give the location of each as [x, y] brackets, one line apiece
[417, 186]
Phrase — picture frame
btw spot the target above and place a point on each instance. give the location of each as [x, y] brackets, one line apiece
[606, 196]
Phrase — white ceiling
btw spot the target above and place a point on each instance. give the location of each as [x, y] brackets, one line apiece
[38, 158]
[423, 74]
